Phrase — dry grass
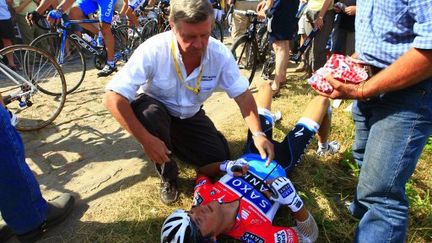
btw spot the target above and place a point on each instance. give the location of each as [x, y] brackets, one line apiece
[323, 183]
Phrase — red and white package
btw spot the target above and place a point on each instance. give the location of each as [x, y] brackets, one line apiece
[342, 68]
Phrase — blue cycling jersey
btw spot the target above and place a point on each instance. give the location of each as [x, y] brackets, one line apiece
[134, 4]
[105, 7]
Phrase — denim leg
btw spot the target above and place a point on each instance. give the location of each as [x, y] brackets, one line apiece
[360, 116]
[399, 125]
[21, 203]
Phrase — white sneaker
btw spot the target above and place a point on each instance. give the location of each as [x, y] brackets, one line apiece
[276, 116]
[332, 148]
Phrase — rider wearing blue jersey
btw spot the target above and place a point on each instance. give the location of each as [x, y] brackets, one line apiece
[243, 202]
[83, 9]
[132, 6]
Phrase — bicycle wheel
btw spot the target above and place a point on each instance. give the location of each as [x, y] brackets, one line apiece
[73, 65]
[245, 51]
[28, 89]
[150, 29]
[217, 31]
[268, 65]
[127, 39]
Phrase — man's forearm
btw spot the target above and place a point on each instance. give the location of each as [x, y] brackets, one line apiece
[411, 68]
[324, 8]
[249, 111]
[123, 113]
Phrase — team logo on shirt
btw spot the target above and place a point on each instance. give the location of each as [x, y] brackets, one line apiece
[244, 214]
[251, 238]
[200, 184]
[282, 237]
[250, 193]
[197, 200]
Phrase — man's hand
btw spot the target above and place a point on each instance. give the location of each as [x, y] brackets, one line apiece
[318, 22]
[265, 148]
[284, 193]
[341, 90]
[234, 167]
[351, 10]
[156, 150]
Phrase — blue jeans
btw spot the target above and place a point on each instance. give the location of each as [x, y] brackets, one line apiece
[21, 203]
[391, 132]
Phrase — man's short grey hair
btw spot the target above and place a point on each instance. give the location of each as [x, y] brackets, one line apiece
[190, 11]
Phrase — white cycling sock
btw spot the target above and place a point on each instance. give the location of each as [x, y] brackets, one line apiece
[308, 230]
[323, 145]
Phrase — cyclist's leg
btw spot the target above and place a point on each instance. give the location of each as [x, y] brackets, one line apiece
[83, 9]
[106, 11]
[130, 12]
[132, 18]
[263, 100]
[281, 48]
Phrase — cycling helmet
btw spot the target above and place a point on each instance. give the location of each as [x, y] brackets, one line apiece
[179, 228]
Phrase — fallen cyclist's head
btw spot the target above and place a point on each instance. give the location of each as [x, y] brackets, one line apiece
[201, 224]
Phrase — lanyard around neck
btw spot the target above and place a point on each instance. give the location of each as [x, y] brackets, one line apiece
[196, 89]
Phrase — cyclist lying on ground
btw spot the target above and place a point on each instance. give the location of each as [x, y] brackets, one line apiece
[242, 203]
[83, 9]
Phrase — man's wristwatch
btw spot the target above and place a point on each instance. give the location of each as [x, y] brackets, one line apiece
[257, 134]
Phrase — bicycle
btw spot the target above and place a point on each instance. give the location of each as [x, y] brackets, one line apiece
[158, 22]
[67, 47]
[217, 30]
[246, 49]
[35, 90]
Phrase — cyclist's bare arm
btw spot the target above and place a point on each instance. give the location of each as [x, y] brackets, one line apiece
[65, 4]
[45, 4]
[124, 8]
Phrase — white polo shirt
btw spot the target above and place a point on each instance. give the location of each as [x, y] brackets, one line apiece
[151, 70]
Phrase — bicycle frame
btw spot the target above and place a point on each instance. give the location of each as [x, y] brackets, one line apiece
[81, 42]
[13, 76]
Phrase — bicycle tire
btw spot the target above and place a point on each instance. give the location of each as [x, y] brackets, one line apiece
[245, 50]
[217, 31]
[269, 65]
[126, 39]
[40, 69]
[150, 29]
[74, 59]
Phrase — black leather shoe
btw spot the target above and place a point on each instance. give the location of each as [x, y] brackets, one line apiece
[168, 192]
[58, 209]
